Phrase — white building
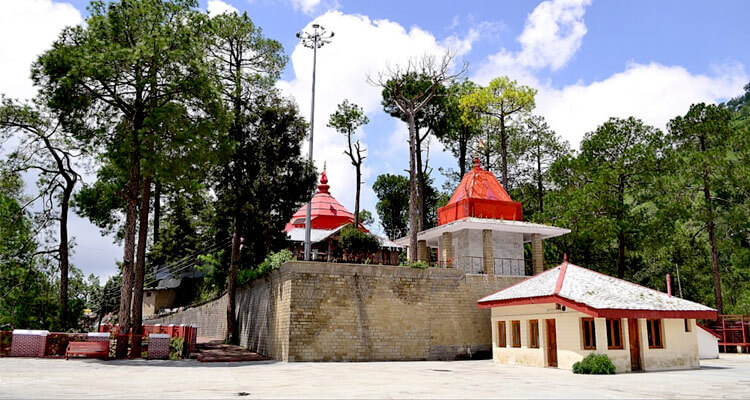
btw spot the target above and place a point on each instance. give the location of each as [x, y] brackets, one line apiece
[559, 316]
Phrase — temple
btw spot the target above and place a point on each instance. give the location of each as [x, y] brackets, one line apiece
[327, 218]
[481, 231]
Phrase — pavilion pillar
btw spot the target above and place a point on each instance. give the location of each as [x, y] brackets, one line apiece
[488, 252]
[446, 249]
[537, 253]
[423, 253]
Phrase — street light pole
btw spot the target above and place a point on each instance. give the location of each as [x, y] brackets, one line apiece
[318, 38]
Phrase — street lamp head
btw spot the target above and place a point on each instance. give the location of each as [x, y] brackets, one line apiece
[299, 35]
[332, 33]
[315, 26]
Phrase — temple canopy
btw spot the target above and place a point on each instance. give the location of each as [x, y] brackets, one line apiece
[480, 195]
[481, 203]
[326, 213]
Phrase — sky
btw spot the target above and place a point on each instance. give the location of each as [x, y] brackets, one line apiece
[588, 59]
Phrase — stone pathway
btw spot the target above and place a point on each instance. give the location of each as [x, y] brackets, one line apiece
[728, 377]
[217, 351]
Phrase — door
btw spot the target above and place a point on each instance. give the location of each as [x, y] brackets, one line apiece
[551, 343]
[635, 345]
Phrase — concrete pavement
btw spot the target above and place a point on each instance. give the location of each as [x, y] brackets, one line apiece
[728, 377]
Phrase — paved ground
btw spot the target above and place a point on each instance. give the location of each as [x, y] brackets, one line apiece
[728, 377]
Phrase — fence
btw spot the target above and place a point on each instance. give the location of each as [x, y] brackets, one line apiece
[734, 332]
[500, 266]
[46, 344]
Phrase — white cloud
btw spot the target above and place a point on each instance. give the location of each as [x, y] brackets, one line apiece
[551, 36]
[27, 29]
[652, 92]
[360, 47]
[553, 33]
[311, 6]
[216, 7]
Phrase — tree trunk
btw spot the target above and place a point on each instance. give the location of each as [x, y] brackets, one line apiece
[620, 231]
[621, 254]
[231, 336]
[413, 228]
[462, 148]
[420, 183]
[356, 198]
[539, 186]
[64, 262]
[157, 210]
[711, 232]
[712, 241]
[131, 215]
[140, 264]
[504, 151]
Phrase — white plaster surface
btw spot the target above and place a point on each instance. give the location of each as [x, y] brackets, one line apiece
[161, 379]
[680, 350]
[708, 344]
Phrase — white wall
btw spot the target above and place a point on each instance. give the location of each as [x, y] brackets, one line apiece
[708, 344]
[680, 348]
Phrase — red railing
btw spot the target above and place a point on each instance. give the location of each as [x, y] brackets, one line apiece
[733, 331]
[55, 344]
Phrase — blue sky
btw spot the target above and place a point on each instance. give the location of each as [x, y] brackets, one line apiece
[588, 59]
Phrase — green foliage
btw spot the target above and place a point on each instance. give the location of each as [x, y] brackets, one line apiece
[358, 245]
[272, 262]
[393, 204]
[492, 108]
[594, 363]
[366, 218]
[346, 120]
[177, 348]
[419, 265]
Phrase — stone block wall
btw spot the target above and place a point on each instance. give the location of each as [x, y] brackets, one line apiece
[310, 311]
[211, 318]
[374, 313]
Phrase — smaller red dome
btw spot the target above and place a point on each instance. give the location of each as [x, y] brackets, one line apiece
[325, 213]
[480, 195]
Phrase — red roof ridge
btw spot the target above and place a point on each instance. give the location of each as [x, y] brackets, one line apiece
[561, 277]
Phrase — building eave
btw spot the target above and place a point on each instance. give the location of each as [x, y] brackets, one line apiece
[432, 235]
[601, 312]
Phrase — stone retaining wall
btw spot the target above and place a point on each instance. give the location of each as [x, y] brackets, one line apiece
[309, 311]
[211, 318]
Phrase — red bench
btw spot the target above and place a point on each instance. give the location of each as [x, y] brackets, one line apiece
[88, 349]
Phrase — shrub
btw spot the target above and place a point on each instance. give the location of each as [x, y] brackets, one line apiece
[272, 262]
[357, 244]
[177, 348]
[594, 364]
[419, 265]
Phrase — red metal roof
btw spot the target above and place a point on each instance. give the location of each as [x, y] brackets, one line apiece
[480, 195]
[326, 212]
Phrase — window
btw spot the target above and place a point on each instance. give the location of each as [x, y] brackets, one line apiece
[501, 336]
[516, 332]
[655, 340]
[148, 294]
[534, 334]
[614, 334]
[589, 333]
[687, 325]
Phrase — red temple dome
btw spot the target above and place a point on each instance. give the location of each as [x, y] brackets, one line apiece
[480, 195]
[326, 212]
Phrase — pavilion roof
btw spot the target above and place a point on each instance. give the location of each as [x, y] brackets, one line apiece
[595, 294]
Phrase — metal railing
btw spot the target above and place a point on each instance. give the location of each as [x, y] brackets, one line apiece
[500, 266]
